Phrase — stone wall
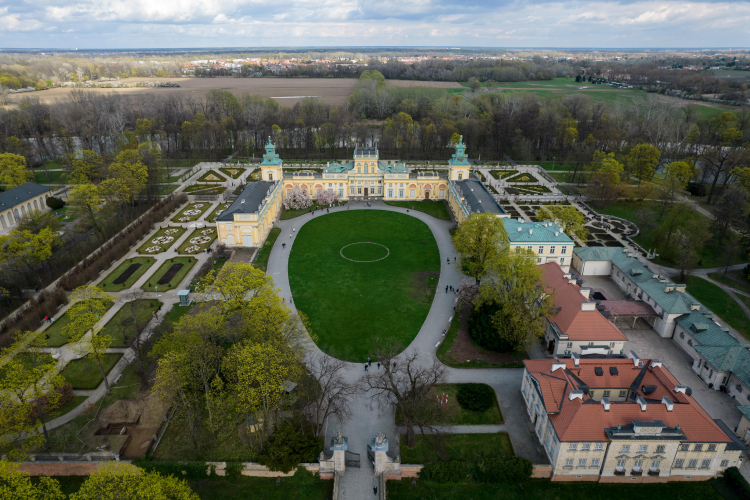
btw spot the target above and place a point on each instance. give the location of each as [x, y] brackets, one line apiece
[257, 470]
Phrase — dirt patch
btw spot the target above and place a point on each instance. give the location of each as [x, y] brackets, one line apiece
[127, 273]
[171, 272]
[243, 255]
[423, 285]
[464, 350]
[121, 413]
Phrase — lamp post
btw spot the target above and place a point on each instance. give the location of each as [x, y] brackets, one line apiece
[156, 288]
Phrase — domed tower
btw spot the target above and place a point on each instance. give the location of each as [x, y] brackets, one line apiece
[271, 165]
[459, 162]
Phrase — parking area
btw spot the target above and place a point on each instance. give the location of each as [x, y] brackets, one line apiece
[648, 344]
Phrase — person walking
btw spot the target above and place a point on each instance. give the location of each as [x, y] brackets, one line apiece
[365, 366]
[449, 260]
[446, 288]
[378, 365]
[375, 490]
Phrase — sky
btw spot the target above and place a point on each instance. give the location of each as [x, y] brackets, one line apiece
[99, 24]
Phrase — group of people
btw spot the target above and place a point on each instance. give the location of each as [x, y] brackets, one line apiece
[369, 363]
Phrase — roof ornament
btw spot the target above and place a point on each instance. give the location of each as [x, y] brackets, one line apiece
[619, 427]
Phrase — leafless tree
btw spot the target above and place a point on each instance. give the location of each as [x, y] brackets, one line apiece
[405, 382]
[327, 392]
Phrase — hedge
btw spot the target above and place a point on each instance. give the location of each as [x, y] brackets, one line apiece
[738, 483]
[491, 470]
[454, 471]
[195, 471]
[475, 397]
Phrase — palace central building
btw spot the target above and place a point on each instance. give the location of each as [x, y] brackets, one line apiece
[248, 220]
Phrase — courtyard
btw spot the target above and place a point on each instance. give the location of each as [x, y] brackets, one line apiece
[363, 276]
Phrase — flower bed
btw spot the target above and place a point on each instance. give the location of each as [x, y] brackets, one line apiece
[233, 172]
[524, 177]
[217, 212]
[191, 212]
[161, 241]
[502, 174]
[198, 241]
[119, 279]
[177, 268]
[211, 176]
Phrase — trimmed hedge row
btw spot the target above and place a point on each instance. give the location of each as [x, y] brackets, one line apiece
[491, 470]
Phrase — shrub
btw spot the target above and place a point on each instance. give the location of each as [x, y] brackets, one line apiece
[503, 470]
[446, 472]
[475, 397]
[287, 448]
[738, 483]
[194, 471]
[234, 469]
[483, 332]
[55, 203]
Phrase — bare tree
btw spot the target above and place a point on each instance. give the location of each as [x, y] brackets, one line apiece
[406, 383]
[132, 299]
[327, 393]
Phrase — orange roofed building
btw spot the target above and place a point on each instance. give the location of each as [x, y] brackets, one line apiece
[623, 420]
[577, 327]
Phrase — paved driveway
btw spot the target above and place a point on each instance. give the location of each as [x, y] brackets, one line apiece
[648, 344]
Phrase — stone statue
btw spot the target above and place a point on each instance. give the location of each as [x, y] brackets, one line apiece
[338, 438]
[380, 438]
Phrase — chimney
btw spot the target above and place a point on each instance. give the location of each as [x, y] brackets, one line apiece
[575, 395]
[531, 231]
[557, 233]
[519, 229]
[588, 306]
[586, 292]
[576, 358]
[520, 220]
[669, 287]
[642, 403]
[667, 402]
[567, 276]
[605, 403]
[656, 363]
[636, 360]
[687, 391]
[680, 288]
[558, 365]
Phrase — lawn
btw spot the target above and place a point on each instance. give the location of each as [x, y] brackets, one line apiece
[167, 188]
[211, 176]
[502, 174]
[524, 177]
[563, 176]
[63, 215]
[232, 172]
[85, 374]
[169, 235]
[122, 327]
[241, 488]
[734, 279]
[261, 258]
[217, 212]
[177, 275]
[719, 301]
[548, 166]
[291, 213]
[544, 489]
[192, 212]
[55, 335]
[437, 208]
[143, 263]
[433, 448]
[198, 241]
[67, 407]
[55, 177]
[386, 296]
[455, 415]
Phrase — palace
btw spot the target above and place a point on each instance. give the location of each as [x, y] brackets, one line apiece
[250, 217]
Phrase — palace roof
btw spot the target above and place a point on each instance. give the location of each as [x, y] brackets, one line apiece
[20, 194]
[520, 231]
[248, 201]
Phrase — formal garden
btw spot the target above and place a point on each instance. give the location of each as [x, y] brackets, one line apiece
[126, 274]
[85, 374]
[192, 212]
[56, 335]
[217, 212]
[129, 321]
[233, 172]
[363, 275]
[162, 240]
[198, 241]
[211, 176]
[169, 275]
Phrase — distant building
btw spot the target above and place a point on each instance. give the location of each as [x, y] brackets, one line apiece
[16, 202]
[623, 420]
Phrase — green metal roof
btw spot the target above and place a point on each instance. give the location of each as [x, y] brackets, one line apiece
[728, 358]
[703, 329]
[541, 232]
[459, 158]
[745, 410]
[270, 159]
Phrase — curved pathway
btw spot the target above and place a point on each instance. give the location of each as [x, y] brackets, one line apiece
[367, 419]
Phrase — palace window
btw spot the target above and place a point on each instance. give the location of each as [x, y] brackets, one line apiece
[551, 250]
[679, 463]
[637, 465]
[705, 464]
[541, 250]
[594, 462]
[359, 170]
[572, 446]
[684, 447]
[620, 464]
[599, 446]
[625, 448]
[581, 462]
[711, 447]
[400, 193]
[563, 250]
[692, 463]
[724, 463]
[606, 394]
[562, 260]
[585, 447]
[643, 448]
[655, 465]
[698, 447]
[568, 462]
[229, 227]
[351, 190]
[530, 249]
[390, 193]
[460, 178]
[660, 448]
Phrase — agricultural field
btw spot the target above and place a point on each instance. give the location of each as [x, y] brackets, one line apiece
[161, 241]
[198, 241]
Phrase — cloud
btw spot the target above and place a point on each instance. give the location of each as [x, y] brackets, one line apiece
[201, 23]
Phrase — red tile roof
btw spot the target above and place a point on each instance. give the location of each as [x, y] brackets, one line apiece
[570, 319]
[586, 420]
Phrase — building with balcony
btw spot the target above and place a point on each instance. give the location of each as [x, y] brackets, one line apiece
[616, 419]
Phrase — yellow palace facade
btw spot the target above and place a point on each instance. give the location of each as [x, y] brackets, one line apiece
[251, 216]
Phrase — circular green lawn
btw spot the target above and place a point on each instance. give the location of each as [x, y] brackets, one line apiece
[350, 304]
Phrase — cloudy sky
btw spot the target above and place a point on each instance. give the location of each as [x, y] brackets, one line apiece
[466, 23]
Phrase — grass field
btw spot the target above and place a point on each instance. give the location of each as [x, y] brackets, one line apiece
[108, 283]
[151, 247]
[70, 405]
[264, 253]
[55, 177]
[192, 212]
[734, 279]
[435, 208]
[167, 188]
[84, 373]
[203, 189]
[433, 448]
[215, 212]
[63, 215]
[197, 246]
[563, 176]
[455, 415]
[544, 489]
[188, 263]
[350, 304]
[719, 301]
[55, 335]
[291, 213]
[121, 326]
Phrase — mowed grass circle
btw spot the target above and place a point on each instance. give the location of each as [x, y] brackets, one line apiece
[351, 304]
